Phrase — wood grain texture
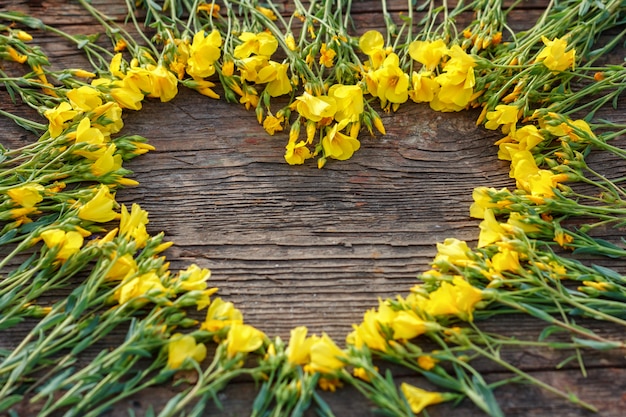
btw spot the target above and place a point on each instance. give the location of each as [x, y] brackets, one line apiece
[299, 244]
[295, 245]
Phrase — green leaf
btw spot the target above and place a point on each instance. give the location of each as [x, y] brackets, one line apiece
[8, 236]
[29, 21]
[536, 312]
[607, 272]
[150, 412]
[479, 393]
[82, 345]
[32, 127]
[55, 384]
[444, 382]
[322, 407]
[597, 345]
[10, 401]
[136, 351]
[548, 331]
[50, 320]
[80, 307]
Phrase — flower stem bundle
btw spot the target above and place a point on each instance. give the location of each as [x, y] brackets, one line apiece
[310, 73]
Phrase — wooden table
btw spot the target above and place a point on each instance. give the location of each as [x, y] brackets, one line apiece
[294, 245]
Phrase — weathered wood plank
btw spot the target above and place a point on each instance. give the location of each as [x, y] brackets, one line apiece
[301, 246]
[342, 235]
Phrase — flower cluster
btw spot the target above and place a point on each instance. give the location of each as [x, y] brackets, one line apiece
[61, 222]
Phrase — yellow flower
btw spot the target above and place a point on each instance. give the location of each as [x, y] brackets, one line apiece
[326, 357]
[371, 42]
[316, 108]
[127, 95]
[58, 117]
[458, 298]
[177, 62]
[523, 166]
[181, 348]
[82, 73]
[428, 53]
[329, 384]
[418, 398]
[457, 82]
[67, 243]
[424, 87]
[339, 145]
[267, 12]
[490, 230]
[243, 338]
[203, 87]
[369, 332]
[505, 260]
[164, 84]
[426, 362]
[454, 251]
[194, 278]
[600, 286]
[21, 215]
[554, 56]
[528, 137]
[262, 43]
[120, 45]
[137, 288]
[27, 195]
[574, 129]
[297, 153]
[124, 267]
[212, 9]
[389, 82]
[133, 224]
[138, 78]
[267, 72]
[124, 92]
[281, 83]
[250, 68]
[16, 56]
[299, 348]
[221, 314]
[115, 66]
[249, 98]
[273, 124]
[90, 136]
[85, 98]
[363, 374]
[482, 201]
[505, 116]
[23, 36]
[228, 68]
[518, 220]
[562, 238]
[349, 101]
[407, 325]
[204, 51]
[100, 207]
[327, 56]
[141, 148]
[291, 42]
[107, 162]
[543, 183]
[378, 124]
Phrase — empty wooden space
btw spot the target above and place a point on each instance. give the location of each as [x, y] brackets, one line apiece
[296, 245]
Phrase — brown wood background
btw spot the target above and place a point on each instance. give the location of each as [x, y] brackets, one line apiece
[294, 245]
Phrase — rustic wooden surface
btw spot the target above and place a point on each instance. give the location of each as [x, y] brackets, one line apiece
[301, 246]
